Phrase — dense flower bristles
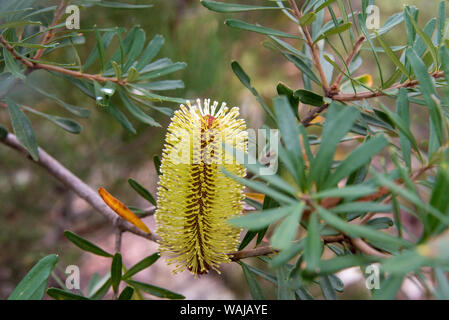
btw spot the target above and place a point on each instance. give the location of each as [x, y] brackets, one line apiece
[195, 199]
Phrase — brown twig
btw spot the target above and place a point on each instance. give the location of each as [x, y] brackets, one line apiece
[36, 65]
[313, 49]
[49, 34]
[348, 61]
[62, 174]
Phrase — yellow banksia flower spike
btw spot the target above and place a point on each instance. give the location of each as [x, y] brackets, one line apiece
[195, 198]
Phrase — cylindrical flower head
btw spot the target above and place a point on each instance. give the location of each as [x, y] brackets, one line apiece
[195, 198]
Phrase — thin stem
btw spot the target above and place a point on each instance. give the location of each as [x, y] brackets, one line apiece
[313, 49]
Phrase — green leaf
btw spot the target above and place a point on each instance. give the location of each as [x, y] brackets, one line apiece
[302, 66]
[136, 112]
[157, 164]
[59, 294]
[261, 187]
[126, 294]
[307, 19]
[121, 118]
[33, 284]
[388, 288]
[163, 85]
[152, 49]
[428, 90]
[439, 198]
[427, 40]
[93, 56]
[245, 80]
[176, 66]
[232, 7]
[138, 41]
[117, 5]
[362, 207]
[287, 254]
[402, 109]
[353, 191]
[22, 128]
[327, 288]
[338, 123]
[356, 159]
[336, 30]
[85, 245]
[392, 56]
[284, 291]
[287, 124]
[141, 265]
[100, 48]
[313, 246]
[258, 29]
[309, 97]
[133, 75]
[67, 124]
[154, 290]
[401, 125]
[354, 230]
[116, 271]
[103, 290]
[286, 231]
[78, 111]
[282, 89]
[3, 133]
[259, 220]
[144, 193]
[254, 288]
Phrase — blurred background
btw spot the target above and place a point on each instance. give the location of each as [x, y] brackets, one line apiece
[35, 209]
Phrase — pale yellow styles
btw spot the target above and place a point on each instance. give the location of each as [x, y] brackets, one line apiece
[195, 198]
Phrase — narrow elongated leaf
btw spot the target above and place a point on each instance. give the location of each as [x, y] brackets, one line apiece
[154, 290]
[354, 230]
[85, 245]
[136, 48]
[259, 220]
[337, 30]
[286, 121]
[353, 191]
[334, 130]
[163, 85]
[117, 5]
[150, 51]
[232, 7]
[238, 24]
[12, 65]
[67, 124]
[286, 231]
[309, 97]
[254, 288]
[359, 157]
[33, 284]
[22, 128]
[121, 118]
[136, 111]
[313, 245]
[141, 265]
[144, 193]
[60, 294]
[246, 81]
[427, 40]
[116, 271]
[284, 291]
[126, 294]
